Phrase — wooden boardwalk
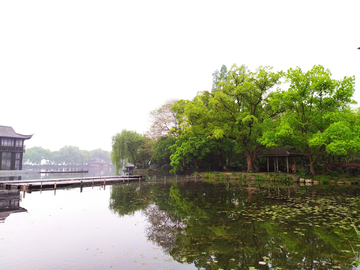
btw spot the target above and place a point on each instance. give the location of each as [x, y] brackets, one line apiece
[36, 184]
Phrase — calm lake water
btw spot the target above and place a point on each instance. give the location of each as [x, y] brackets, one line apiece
[182, 225]
[35, 173]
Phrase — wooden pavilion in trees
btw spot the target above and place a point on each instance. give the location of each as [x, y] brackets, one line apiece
[12, 148]
[288, 153]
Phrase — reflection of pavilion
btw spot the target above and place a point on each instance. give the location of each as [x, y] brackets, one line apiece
[9, 203]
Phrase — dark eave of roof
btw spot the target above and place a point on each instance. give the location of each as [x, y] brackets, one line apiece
[9, 132]
[283, 152]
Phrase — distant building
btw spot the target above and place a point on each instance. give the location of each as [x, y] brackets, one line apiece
[12, 148]
[97, 162]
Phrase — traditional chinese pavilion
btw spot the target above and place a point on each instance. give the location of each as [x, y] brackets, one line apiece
[288, 153]
[12, 148]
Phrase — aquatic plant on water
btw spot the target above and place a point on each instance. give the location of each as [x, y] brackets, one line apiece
[259, 179]
[324, 179]
[209, 175]
[195, 173]
[356, 262]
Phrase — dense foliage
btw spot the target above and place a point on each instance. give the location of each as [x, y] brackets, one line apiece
[317, 117]
[131, 146]
[245, 114]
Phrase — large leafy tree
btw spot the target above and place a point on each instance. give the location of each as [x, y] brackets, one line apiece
[316, 115]
[163, 120]
[189, 149]
[161, 154]
[201, 152]
[125, 146]
[241, 108]
[146, 150]
[235, 111]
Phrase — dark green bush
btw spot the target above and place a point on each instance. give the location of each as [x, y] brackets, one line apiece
[166, 168]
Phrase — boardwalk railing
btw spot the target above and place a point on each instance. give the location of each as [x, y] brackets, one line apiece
[77, 181]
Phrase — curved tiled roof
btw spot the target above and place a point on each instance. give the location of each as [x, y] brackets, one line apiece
[9, 132]
[283, 152]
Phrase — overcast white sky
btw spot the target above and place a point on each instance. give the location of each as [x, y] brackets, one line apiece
[77, 72]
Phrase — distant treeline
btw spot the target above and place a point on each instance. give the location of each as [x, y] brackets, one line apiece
[68, 155]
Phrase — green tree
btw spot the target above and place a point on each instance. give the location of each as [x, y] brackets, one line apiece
[163, 120]
[241, 108]
[146, 150]
[125, 146]
[317, 117]
[218, 77]
[102, 154]
[36, 154]
[161, 154]
[71, 155]
[201, 152]
[235, 111]
[189, 149]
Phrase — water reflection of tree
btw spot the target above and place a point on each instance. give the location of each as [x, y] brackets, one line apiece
[224, 234]
[126, 199]
[234, 227]
[163, 229]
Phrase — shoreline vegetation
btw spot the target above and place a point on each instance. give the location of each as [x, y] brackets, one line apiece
[246, 114]
[227, 129]
[256, 177]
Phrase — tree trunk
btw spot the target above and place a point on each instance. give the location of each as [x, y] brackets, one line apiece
[250, 163]
[222, 162]
[314, 160]
[196, 164]
[312, 168]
